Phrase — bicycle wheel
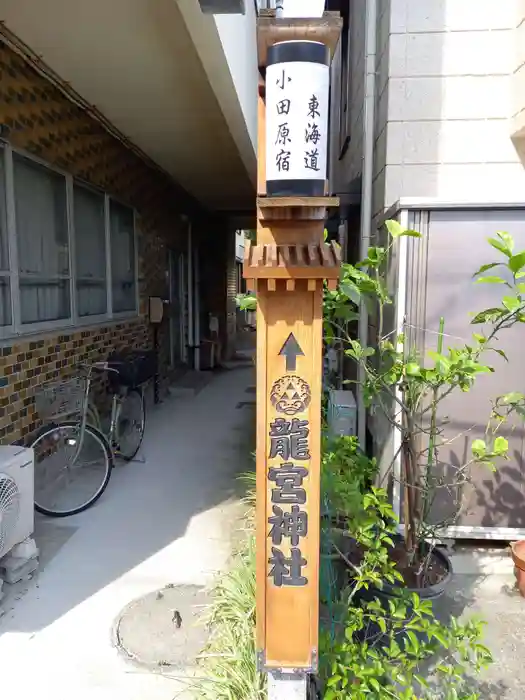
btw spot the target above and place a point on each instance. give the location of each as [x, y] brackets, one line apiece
[131, 421]
[68, 479]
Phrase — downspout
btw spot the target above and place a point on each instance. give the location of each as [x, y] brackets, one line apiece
[190, 288]
[197, 310]
[366, 191]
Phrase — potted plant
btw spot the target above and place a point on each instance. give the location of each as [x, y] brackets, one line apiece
[407, 390]
[370, 651]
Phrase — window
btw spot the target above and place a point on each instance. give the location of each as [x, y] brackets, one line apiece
[122, 257]
[90, 252]
[42, 242]
[5, 291]
[67, 252]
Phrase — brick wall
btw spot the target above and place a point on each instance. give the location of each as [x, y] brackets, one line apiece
[26, 364]
[45, 123]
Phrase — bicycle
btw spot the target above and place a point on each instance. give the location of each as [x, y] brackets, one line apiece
[73, 450]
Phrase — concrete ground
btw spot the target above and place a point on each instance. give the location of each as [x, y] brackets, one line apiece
[166, 521]
[484, 585]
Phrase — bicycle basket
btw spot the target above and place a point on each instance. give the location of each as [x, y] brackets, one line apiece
[135, 367]
[59, 399]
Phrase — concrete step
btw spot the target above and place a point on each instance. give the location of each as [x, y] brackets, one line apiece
[190, 384]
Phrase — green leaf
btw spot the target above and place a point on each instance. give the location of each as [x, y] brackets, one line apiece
[396, 230]
[517, 261]
[351, 291]
[442, 362]
[484, 268]
[499, 245]
[412, 369]
[375, 684]
[479, 448]
[501, 352]
[512, 397]
[490, 279]
[491, 314]
[412, 233]
[511, 303]
[501, 445]
[441, 638]
[507, 239]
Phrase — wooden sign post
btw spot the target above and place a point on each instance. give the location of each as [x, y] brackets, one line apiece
[287, 267]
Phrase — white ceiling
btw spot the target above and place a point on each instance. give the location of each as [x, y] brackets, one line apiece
[136, 62]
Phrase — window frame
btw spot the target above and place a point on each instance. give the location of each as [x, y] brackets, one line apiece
[18, 329]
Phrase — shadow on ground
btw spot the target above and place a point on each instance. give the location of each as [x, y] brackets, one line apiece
[194, 449]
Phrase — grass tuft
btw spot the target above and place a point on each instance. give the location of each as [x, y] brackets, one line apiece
[227, 666]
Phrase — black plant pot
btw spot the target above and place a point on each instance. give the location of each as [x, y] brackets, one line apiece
[392, 592]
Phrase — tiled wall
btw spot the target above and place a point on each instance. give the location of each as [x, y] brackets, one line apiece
[518, 106]
[449, 107]
[25, 365]
[44, 122]
[451, 64]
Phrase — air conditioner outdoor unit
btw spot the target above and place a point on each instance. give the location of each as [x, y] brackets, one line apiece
[16, 496]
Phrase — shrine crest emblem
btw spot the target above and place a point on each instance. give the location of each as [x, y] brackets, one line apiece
[290, 395]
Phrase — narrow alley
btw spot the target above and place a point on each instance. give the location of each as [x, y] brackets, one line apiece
[165, 522]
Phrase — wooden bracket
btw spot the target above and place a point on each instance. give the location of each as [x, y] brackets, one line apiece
[295, 208]
[271, 30]
[292, 262]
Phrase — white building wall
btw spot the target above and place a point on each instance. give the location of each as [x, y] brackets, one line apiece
[227, 48]
[450, 104]
[238, 35]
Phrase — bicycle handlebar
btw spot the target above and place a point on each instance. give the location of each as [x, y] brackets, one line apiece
[99, 367]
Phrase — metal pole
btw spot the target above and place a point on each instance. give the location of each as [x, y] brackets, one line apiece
[284, 687]
[156, 382]
[366, 201]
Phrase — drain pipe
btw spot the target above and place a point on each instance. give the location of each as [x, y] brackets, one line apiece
[190, 291]
[366, 191]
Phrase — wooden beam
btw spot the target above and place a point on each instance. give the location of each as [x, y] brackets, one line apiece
[293, 202]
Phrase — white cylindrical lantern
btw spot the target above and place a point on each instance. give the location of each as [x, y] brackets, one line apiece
[297, 101]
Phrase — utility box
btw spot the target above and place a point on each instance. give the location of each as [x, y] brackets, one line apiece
[223, 7]
[342, 413]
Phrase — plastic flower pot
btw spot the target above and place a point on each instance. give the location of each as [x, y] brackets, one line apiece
[518, 556]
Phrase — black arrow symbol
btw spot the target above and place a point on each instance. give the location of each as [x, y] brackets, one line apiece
[291, 350]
